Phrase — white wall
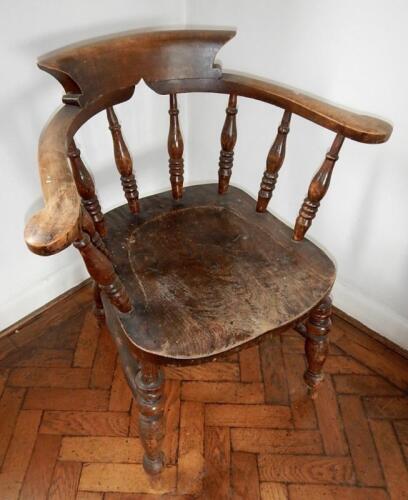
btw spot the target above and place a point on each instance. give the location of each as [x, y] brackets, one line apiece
[29, 96]
[349, 52]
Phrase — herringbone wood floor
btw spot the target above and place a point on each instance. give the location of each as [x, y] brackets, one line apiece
[241, 428]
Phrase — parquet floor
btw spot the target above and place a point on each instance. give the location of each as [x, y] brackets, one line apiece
[241, 428]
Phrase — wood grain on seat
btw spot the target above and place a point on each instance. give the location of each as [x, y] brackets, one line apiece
[208, 273]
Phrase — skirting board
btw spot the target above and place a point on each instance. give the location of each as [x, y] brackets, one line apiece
[372, 314]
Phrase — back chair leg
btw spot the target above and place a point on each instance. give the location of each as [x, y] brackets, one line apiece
[98, 304]
[317, 344]
[150, 398]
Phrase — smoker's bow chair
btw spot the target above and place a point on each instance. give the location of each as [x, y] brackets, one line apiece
[189, 275]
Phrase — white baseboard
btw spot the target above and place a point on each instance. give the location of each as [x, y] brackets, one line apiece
[42, 292]
[371, 313]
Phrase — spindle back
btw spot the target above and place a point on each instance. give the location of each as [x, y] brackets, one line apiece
[99, 74]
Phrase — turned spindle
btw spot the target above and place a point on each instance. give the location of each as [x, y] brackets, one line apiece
[316, 345]
[175, 147]
[86, 188]
[228, 140]
[88, 225]
[274, 162]
[102, 271]
[317, 189]
[149, 385]
[123, 162]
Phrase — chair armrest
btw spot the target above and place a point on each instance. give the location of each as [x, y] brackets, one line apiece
[358, 127]
[55, 226]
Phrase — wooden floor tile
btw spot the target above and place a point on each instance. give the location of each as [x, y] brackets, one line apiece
[250, 365]
[367, 467]
[41, 468]
[65, 481]
[126, 478]
[10, 404]
[273, 369]
[302, 492]
[85, 423]
[66, 399]
[276, 441]
[263, 416]
[306, 469]
[392, 461]
[191, 448]
[216, 481]
[223, 392]
[244, 476]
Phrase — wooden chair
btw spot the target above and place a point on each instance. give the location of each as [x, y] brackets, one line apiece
[187, 276]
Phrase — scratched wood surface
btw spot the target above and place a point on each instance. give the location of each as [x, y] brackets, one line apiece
[67, 420]
[208, 273]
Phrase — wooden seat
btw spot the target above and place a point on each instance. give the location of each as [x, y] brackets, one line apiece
[194, 273]
[208, 274]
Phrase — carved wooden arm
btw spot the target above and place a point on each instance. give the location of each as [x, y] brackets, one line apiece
[55, 226]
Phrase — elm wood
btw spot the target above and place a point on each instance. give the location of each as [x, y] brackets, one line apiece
[361, 128]
[175, 148]
[228, 140]
[274, 162]
[56, 226]
[317, 189]
[208, 274]
[121, 60]
[123, 162]
[86, 188]
[102, 271]
[316, 345]
[150, 400]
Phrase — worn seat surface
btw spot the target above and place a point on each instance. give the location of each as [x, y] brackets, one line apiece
[208, 273]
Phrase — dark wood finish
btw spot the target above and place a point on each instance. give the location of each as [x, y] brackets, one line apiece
[102, 271]
[228, 140]
[99, 439]
[274, 162]
[123, 162]
[316, 345]
[208, 273]
[149, 383]
[317, 189]
[175, 148]
[205, 274]
[86, 188]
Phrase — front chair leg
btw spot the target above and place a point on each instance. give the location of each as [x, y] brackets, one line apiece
[150, 399]
[316, 346]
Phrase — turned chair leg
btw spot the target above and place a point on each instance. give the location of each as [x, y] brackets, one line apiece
[98, 304]
[317, 344]
[150, 399]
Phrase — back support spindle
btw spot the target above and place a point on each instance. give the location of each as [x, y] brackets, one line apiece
[274, 162]
[317, 189]
[123, 162]
[86, 188]
[228, 140]
[175, 147]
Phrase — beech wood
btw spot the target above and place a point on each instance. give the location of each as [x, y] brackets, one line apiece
[317, 189]
[149, 384]
[175, 148]
[316, 344]
[123, 162]
[228, 140]
[86, 188]
[274, 162]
